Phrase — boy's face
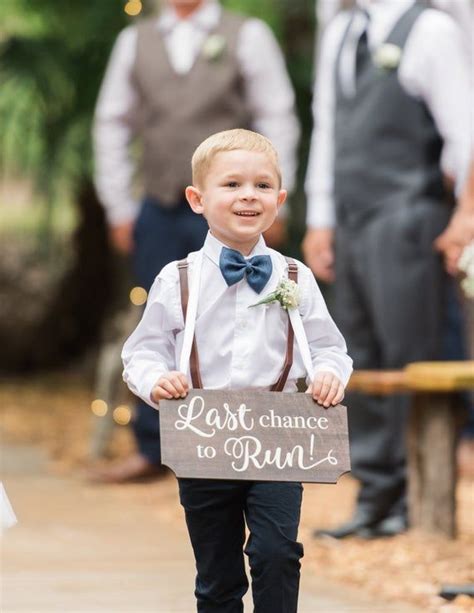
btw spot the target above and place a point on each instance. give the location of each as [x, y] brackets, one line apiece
[240, 197]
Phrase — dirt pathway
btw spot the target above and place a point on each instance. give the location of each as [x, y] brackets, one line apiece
[87, 549]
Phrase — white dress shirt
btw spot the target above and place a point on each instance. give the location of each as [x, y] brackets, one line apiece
[238, 347]
[433, 68]
[268, 91]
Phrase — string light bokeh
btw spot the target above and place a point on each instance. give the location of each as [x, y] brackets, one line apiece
[99, 407]
[122, 415]
[133, 8]
[138, 296]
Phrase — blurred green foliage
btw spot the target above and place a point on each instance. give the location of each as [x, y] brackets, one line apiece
[53, 55]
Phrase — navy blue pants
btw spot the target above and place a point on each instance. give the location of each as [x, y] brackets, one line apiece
[161, 235]
[216, 512]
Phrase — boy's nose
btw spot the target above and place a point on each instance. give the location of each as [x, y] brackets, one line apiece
[248, 192]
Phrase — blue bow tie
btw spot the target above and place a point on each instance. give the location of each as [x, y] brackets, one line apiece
[234, 267]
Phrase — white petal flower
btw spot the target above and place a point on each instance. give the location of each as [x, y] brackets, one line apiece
[466, 265]
[466, 261]
[387, 56]
[214, 47]
[468, 286]
[287, 293]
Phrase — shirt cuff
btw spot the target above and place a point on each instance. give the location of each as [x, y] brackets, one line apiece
[147, 385]
[117, 215]
[320, 212]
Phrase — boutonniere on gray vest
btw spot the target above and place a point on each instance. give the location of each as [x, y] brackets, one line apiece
[214, 47]
[287, 293]
[387, 56]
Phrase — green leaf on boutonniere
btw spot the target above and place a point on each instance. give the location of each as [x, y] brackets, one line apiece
[287, 293]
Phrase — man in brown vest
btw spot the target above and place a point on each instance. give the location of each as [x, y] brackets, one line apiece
[172, 81]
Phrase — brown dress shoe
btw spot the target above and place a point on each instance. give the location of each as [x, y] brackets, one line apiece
[134, 468]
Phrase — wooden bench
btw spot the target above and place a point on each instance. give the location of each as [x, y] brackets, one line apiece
[432, 435]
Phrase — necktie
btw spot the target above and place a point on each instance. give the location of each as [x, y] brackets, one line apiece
[362, 51]
[234, 267]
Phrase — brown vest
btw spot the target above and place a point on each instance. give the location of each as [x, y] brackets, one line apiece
[177, 112]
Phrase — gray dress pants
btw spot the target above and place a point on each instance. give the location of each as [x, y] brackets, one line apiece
[389, 304]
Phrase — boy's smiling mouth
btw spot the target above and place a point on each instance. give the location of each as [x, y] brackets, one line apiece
[247, 213]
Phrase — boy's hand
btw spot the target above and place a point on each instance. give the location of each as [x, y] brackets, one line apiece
[172, 384]
[326, 389]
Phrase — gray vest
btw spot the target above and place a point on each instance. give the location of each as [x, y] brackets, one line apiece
[387, 147]
[177, 112]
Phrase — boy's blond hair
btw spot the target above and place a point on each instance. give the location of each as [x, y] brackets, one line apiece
[230, 140]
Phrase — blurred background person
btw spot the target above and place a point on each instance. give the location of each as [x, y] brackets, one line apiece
[460, 230]
[391, 137]
[171, 81]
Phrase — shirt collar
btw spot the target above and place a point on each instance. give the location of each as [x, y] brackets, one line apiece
[206, 17]
[213, 247]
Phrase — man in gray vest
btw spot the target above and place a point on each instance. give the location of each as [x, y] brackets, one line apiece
[391, 132]
[172, 81]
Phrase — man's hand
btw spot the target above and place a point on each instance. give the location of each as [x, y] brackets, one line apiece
[275, 236]
[460, 230]
[318, 252]
[172, 384]
[121, 237]
[326, 389]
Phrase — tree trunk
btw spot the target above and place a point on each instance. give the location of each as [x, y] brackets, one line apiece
[46, 323]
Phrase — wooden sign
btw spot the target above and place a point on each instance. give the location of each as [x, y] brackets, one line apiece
[252, 435]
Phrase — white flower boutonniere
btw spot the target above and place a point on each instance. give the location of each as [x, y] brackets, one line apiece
[287, 293]
[214, 47]
[387, 56]
[466, 265]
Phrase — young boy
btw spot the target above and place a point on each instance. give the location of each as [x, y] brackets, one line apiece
[237, 187]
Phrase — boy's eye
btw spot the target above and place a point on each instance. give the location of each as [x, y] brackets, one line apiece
[232, 184]
[264, 186]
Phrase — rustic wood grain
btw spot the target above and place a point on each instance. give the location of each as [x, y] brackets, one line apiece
[440, 376]
[314, 451]
[432, 438]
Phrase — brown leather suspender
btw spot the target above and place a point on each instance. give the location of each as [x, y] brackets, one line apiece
[280, 384]
[194, 359]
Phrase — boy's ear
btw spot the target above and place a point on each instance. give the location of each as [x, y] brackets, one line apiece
[193, 196]
[282, 194]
